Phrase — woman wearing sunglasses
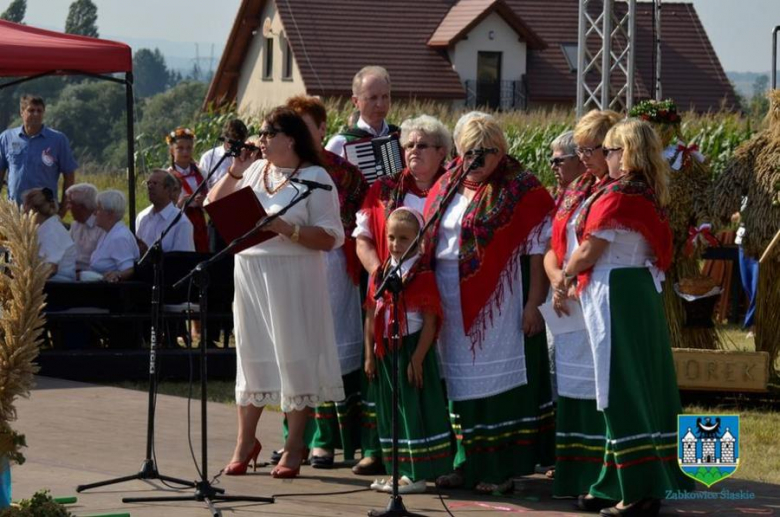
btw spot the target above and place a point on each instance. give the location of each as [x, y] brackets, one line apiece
[426, 143]
[285, 340]
[486, 250]
[578, 424]
[625, 244]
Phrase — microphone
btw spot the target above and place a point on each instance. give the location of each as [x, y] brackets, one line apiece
[312, 184]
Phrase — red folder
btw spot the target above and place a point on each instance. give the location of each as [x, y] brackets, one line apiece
[236, 214]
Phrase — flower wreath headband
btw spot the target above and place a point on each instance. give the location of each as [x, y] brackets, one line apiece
[178, 133]
[659, 112]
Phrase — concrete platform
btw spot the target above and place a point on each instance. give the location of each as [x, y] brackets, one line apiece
[81, 433]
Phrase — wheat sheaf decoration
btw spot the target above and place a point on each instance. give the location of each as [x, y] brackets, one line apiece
[22, 278]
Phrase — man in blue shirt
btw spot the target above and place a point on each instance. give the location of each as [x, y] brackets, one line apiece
[35, 155]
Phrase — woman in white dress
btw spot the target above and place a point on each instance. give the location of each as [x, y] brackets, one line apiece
[285, 340]
[56, 247]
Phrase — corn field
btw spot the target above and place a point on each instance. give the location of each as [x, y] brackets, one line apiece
[529, 135]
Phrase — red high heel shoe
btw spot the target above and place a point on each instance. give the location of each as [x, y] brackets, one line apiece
[282, 472]
[239, 468]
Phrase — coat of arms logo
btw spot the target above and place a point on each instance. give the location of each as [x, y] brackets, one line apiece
[708, 446]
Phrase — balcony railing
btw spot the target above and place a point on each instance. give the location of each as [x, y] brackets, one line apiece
[501, 95]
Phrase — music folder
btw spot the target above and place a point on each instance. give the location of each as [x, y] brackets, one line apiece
[236, 214]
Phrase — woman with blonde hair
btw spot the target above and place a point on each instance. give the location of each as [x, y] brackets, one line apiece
[486, 249]
[625, 244]
[579, 425]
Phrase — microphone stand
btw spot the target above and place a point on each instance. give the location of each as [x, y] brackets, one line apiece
[204, 490]
[154, 255]
[393, 283]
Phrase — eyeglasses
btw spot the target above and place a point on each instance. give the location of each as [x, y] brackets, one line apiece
[411, 146]
[610, 150]
[472, 153]
[558, 160]
[269, 132]
[587, 152]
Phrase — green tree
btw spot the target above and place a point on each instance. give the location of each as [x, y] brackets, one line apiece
[15, 12]
[82, 19]
[151, 74]
[92, 115]
[179, 106]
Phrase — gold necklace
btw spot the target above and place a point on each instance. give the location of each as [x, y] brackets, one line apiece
[272, 191]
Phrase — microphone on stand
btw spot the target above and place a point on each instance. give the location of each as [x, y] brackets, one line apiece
[312, 184]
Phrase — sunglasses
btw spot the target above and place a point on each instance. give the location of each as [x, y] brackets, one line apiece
[471, 153]
[558, 160]
[419, 145]
[587, 151]
[269, 132]
[610, 150]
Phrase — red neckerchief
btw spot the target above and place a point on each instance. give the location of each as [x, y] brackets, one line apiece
[351, 186]
[193, 171]
[420, 294]
[569, 201]
[628, 203]
[494, 231]
[385, 195]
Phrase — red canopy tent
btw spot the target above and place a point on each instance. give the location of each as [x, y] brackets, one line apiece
[28, 53]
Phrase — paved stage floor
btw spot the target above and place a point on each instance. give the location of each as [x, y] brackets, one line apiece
[82, 433]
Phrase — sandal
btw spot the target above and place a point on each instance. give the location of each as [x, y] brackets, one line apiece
[495, 489]
[454, 479]
[405, 486]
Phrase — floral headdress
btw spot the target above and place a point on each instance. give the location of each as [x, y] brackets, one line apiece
[179, 132]
[659, 112]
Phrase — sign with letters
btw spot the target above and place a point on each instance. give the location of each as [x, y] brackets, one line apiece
[721, 370]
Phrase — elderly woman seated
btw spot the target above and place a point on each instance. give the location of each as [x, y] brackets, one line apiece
[56, 247]
[116, 252]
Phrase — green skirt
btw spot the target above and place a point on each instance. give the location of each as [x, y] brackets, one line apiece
[640, 460]
[579, 446]
[424, 433]
[337, 424]
[508, 434]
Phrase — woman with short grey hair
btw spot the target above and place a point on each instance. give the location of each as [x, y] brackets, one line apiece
[564, 161]
[82, 202]
[426, 143]
[83, 194]
[116, 252]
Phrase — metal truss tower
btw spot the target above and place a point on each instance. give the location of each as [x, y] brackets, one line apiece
[605, 55]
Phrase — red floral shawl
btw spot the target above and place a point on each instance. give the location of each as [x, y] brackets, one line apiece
[567, 204]
[420, 294]
[494, 231]
[385, 195]
[351, 187]
[628, 203]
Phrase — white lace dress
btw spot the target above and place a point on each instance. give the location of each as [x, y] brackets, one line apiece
[285, 341]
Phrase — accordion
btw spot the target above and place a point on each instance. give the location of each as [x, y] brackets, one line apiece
[376, 157]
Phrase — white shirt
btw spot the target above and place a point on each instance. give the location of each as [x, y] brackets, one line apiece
[336, 143]
[191, 179]
[86, 236]
[414, 319]
[320, 209]
[363, 229]
[448, 247]
[56, 247]
[210, 159]
[150, 225]
[116, 250]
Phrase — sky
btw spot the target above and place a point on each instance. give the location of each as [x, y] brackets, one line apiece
[740, 30]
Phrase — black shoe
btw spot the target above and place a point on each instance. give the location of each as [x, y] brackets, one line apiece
[642, 508]
[321, 462]
[276, 457]
[593, 504]
[369, 467]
